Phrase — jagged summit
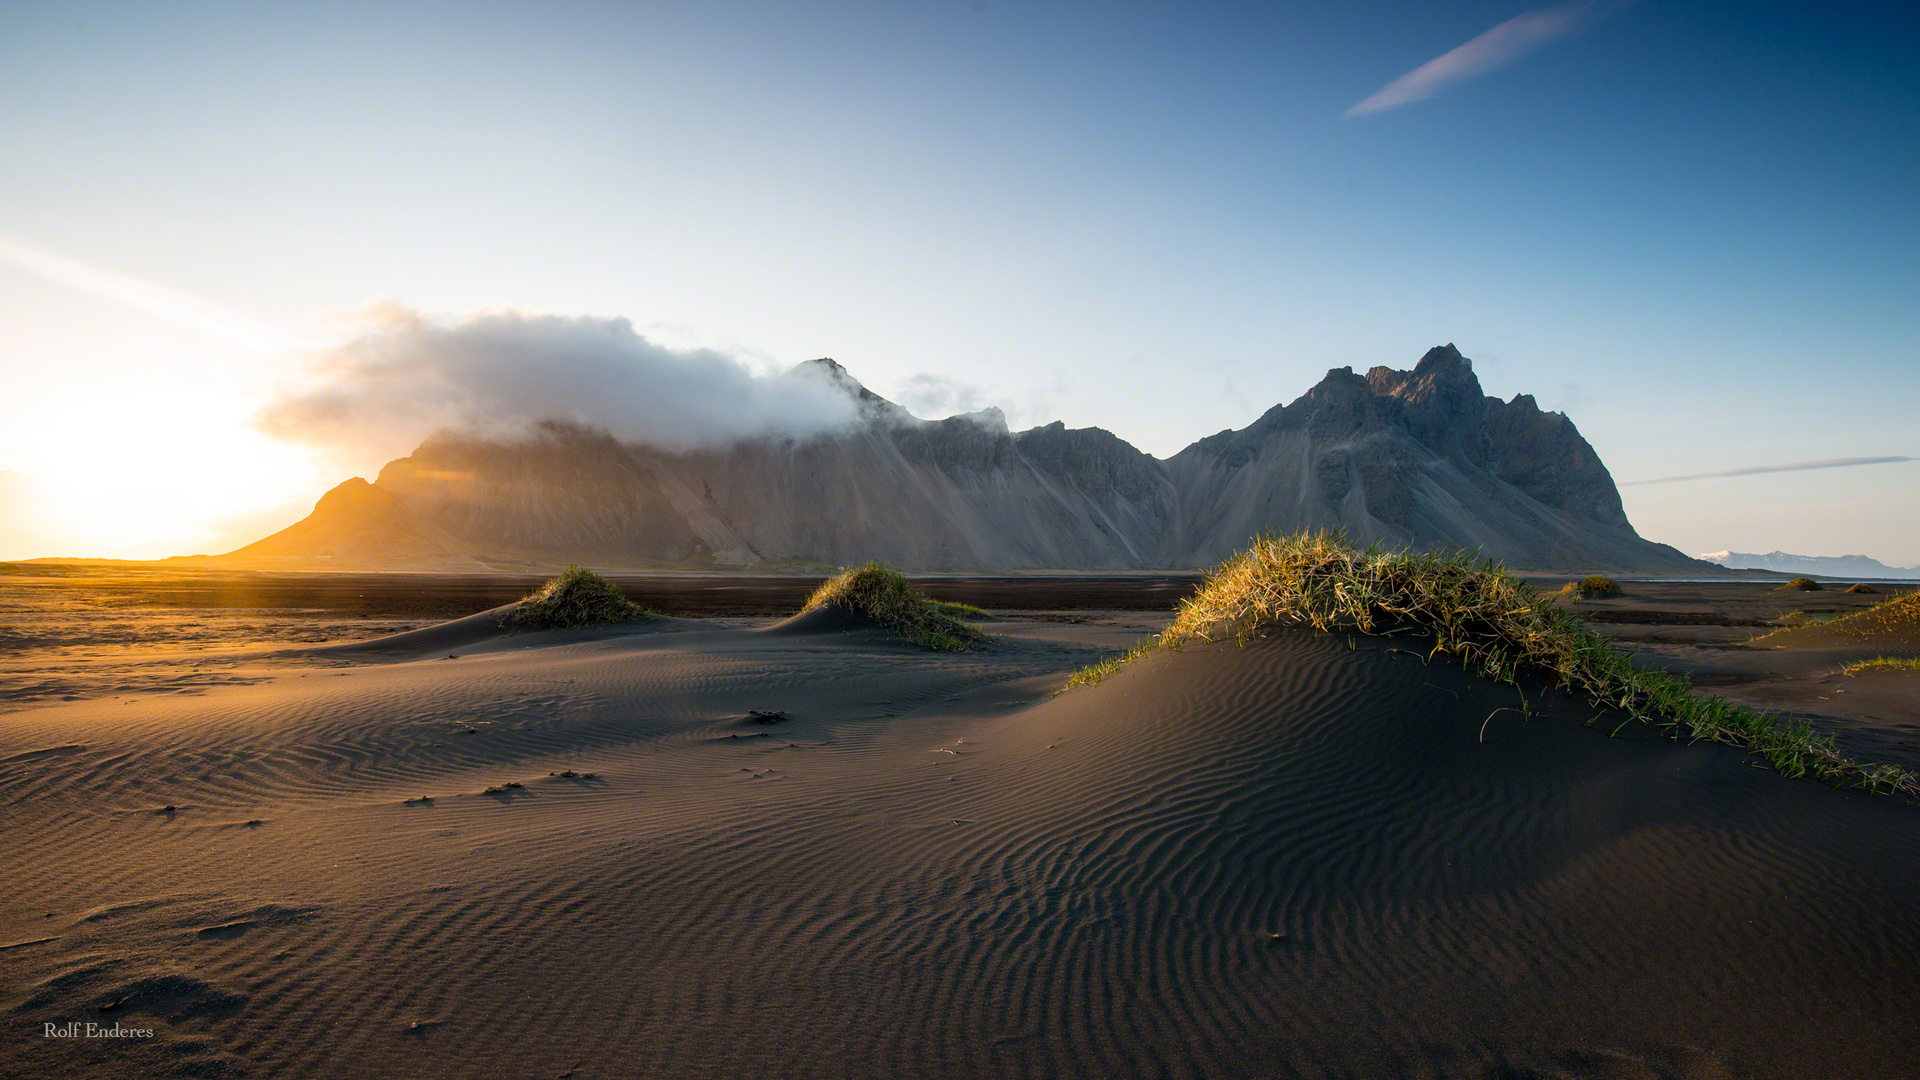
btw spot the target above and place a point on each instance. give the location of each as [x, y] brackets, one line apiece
[1421, 458]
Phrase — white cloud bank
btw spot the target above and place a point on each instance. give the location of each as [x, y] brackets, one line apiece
[1494, 49]
[498, 374]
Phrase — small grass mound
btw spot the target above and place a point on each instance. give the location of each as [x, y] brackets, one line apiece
[1591, 587]
[1883, 663]
[578, 597]
[1802, 584]
[880, 593]
[1862, 587]
[1497, 625]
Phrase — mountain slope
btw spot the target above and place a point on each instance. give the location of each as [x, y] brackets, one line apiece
[357, 524]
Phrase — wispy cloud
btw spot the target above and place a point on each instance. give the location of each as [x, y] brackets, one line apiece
[178, 308]
[1798, 466]
[1494, 49]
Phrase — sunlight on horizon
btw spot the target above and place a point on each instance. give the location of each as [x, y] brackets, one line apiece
[155, 474]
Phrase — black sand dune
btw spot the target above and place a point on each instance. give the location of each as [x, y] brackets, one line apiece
[486, 631]
[1537, 901]
[826, 619]
[1297, 858]
[1891, 628]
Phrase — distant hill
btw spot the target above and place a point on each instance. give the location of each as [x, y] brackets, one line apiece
[1835, 566]
[1419, 458]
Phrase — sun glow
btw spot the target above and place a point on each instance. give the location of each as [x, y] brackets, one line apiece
[131, 428]
[158, 473]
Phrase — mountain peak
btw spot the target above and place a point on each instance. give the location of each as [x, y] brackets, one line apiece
[1442, 357]
[350, 494]
[826, 364]
[829, 369]
[1442, 374]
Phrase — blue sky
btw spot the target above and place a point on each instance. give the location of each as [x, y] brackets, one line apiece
[1689, 226]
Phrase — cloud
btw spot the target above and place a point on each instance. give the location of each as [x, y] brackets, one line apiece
[1798, 466]
[937, 395]
[498, 374]
[1492, 50]
[178, 308]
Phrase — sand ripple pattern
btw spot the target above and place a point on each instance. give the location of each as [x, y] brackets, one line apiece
[1296, 858]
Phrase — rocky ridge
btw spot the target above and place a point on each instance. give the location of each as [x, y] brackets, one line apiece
[1419, 458]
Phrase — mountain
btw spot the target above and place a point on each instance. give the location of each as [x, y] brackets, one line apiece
[963, 492]
[1419, 457]
[1835, 566]
[358, 524]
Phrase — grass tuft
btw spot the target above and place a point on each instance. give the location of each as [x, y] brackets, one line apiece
[1883, 663]
[578, 597]
[958, 610]
[1862, 587]
[1591, 587]
[1497, 625]
[1802, 584]
[1093, 673]
[1595, 585]
[880, 593]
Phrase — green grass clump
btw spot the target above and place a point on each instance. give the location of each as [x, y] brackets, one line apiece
[880, 593]
[1883, 663]
[958, 610]
[578, 597]
[1591, 587]
[1802, 584]
[1497, 625]
[1595, 585]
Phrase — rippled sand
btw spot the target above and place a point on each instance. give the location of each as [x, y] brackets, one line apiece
[1311, 856]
